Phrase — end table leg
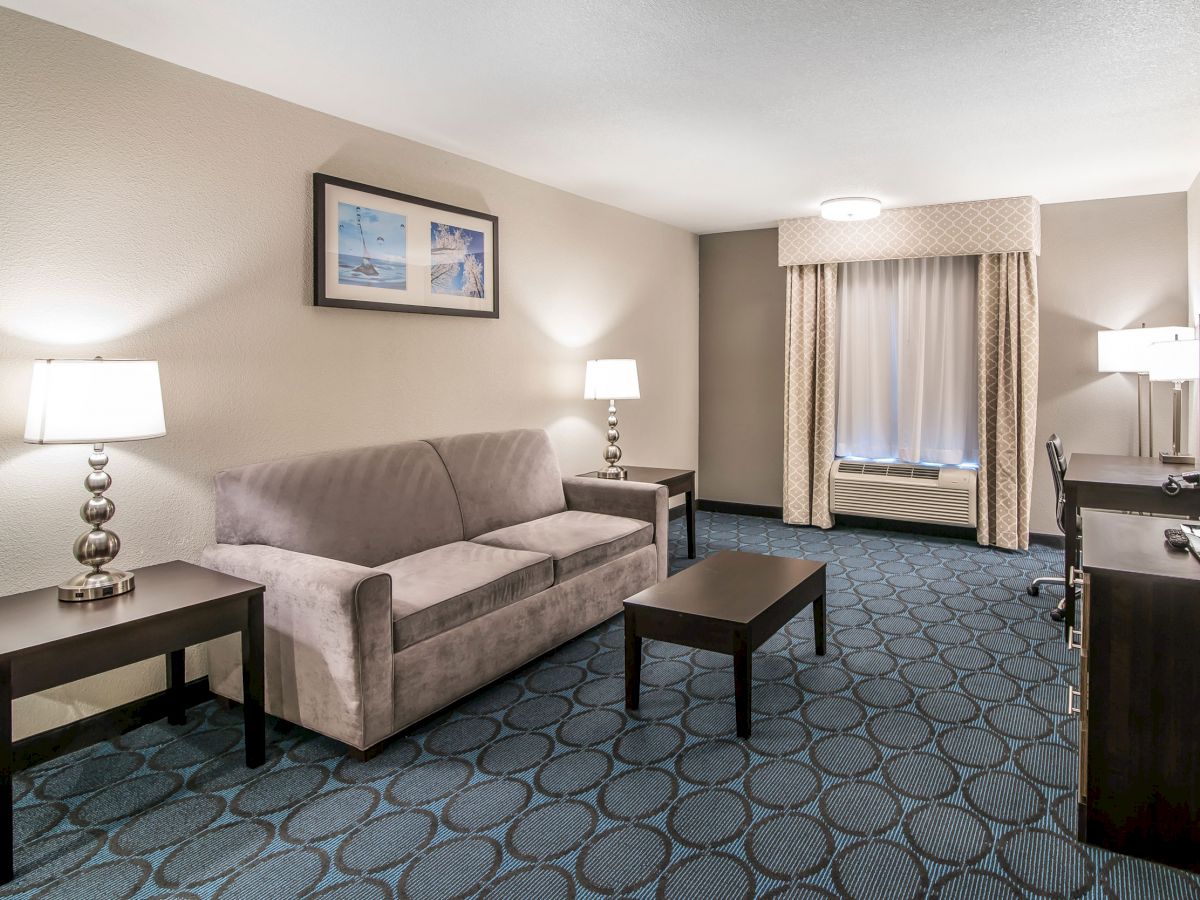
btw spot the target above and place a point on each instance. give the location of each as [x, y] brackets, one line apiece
[633, 664]
[741, 685]
[176, 682]
[689, 499]
[6, 769]
[819, 624]
[252, 683]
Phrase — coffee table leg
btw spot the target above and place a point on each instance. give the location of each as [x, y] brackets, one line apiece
[819, 624]
[176, 680]
[633, 664]
[252, 683]
[6, 767]
[741, 685]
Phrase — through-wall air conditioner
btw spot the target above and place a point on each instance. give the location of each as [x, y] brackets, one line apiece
[913, 493]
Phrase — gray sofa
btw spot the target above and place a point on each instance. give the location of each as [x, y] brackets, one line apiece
[402, 578]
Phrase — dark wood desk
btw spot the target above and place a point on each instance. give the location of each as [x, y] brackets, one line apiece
[728, 603]
[45, 642]
[1121, 483]
[1139, 680]
[676, 481]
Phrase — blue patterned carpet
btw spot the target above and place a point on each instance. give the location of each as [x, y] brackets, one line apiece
[927, 754]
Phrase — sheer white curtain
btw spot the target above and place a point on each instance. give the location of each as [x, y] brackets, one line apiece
[907, 375]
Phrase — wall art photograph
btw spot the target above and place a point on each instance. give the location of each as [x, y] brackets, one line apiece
[457, 257]
[370, 247]
[379, 249]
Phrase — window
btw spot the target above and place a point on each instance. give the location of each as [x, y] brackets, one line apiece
[906, 369]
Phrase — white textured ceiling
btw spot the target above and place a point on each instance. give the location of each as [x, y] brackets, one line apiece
[716, 114]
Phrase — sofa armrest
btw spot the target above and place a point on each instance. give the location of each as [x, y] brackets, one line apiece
[631, 499]
[327, 641]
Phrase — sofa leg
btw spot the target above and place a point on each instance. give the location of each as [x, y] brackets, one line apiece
[367, 755]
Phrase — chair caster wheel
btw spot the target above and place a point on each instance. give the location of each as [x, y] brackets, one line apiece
[1032, 590]
[1058, 615]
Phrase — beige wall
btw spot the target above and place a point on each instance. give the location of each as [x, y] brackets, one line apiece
[742, 306]
[152, 211]
[1104, 264]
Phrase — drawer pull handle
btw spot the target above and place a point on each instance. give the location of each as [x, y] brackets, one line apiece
[1075, 639]
[1073, 708]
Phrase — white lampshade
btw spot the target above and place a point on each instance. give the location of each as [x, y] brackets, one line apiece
[1175, 361]
[850, 209]
[611, 379]
[94, 401]
[1128, 349]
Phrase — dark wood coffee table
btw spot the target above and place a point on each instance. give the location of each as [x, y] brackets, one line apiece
[728, 603]
[45, 642]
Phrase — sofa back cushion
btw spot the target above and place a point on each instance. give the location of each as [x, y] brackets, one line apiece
[367, 506]
[502, 478]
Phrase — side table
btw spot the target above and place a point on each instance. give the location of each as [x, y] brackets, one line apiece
[676, 481]
[45, 642]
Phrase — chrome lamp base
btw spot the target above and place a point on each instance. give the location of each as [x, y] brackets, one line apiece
[612, 453]
[1176, 454]
[1182, 459]
[95, 585]
[98, 547]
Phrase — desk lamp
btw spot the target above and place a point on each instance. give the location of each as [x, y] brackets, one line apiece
[95, 401]
[611, 380]
[1176, 361]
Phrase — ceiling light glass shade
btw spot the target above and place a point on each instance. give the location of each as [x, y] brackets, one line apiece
[94, 401]
[850, 209]
[1128, 349]
[1175, 361]
[611, 379]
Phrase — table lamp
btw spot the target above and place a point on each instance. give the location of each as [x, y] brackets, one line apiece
[1128, 350]
[1176, 361]
[611, 380]
[95, 401]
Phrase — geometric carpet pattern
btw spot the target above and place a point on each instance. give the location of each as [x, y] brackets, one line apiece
[929, 753]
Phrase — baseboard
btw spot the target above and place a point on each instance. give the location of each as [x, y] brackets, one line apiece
[677, 512]
[926, 529]
[102, 726]
[740, 509]
[1055, 541]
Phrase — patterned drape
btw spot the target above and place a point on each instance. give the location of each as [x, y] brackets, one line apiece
[1008, 375]
[810, 397]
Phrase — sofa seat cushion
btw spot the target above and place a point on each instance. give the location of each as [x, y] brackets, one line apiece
[575, 540]
[442, 588]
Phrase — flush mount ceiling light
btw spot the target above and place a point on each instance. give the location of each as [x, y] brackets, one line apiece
[850, 209]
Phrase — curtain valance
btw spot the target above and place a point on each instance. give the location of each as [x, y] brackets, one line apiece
[1006, 225]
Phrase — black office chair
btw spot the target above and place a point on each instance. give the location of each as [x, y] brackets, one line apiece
[1058, 471]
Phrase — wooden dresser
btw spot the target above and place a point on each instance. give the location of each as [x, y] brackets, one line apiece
[1139, 697]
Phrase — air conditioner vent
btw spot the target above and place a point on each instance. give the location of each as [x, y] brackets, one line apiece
[887, 470]
[912, 493]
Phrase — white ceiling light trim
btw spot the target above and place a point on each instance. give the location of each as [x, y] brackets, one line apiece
[850, 209]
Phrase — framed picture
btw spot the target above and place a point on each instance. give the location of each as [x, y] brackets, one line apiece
[377, 249]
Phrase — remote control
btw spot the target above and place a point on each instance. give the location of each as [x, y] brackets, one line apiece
[1176, 538]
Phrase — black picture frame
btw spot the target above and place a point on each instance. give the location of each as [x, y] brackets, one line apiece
[358, 296]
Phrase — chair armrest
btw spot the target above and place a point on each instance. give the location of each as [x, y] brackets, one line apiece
[327, 639]
[631, 499]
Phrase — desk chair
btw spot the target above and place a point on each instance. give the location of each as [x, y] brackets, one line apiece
[1058, 470]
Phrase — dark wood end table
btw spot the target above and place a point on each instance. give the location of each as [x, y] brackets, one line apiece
[728, 603]
[676, 481]
[45, 642]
